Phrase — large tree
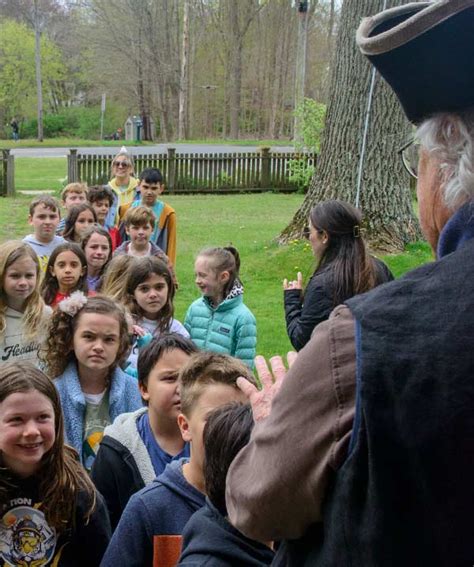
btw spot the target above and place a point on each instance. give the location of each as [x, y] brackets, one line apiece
[384, 195]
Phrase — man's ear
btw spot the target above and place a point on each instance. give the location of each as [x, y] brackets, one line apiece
[30, 219]
[183, 425]
[161, 188]
[127, 230]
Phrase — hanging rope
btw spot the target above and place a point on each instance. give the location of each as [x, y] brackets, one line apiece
[366, 129]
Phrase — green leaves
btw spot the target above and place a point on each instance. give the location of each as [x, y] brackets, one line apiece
[17, 68]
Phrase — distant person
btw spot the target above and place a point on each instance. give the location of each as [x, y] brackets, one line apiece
[101, 199]
[44, 216]
[66, 273]
[137, 447]
[139, 224]
[79, 219]
[220, 321]
[344, 269]
[149, 294]
[73, 194]
[23, 313]
[15, 129]
[97, 246]
[148, 191]
[149, 531]
[123, 184]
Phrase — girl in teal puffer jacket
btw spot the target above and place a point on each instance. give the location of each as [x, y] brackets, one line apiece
[219, 321]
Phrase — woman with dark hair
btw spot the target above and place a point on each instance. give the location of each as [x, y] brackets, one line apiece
[344, 269]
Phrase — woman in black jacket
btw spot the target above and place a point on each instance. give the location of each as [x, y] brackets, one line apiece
[344, 269]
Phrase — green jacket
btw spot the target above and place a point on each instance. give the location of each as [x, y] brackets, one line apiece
[230, 328]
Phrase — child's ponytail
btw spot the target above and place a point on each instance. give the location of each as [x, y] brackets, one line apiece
[224, 259]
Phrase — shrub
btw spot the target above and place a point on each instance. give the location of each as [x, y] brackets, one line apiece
[311, 115]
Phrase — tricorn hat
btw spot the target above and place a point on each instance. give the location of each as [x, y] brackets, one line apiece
[425, 51]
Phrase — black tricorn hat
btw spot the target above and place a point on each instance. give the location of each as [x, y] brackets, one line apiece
[425, 51]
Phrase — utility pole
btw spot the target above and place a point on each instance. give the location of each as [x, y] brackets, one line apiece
[300, 74]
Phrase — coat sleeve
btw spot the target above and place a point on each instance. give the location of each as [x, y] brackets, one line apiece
[90, 538]
[114, 479]
[277, 483]
[171, 244]
[132, 541]
[246, 339]
[303, 314]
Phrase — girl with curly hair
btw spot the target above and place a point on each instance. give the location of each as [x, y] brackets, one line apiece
[88, 340]
[22, 309]
[51, 512]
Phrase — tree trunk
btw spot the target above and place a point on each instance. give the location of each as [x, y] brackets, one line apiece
[385, 197]
[184, 79]
[235, 85]
[300, 72]
[39, 81]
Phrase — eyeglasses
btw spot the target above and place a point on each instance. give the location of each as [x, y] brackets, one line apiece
[121, 163]
[410, 156]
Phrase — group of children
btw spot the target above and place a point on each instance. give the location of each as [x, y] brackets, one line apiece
[91, 355]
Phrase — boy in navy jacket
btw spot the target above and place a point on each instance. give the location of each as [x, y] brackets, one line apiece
[150, 529]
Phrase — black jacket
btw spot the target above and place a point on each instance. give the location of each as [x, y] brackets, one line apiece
[122, 465]
[28, 538]
[209, 539]
[303, 313]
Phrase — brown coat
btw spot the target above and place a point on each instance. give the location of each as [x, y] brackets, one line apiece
[276, 484]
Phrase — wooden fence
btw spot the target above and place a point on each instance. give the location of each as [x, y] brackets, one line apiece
[199, 172]
[7, 174]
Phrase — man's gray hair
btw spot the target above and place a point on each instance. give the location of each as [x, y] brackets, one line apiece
[451, 138]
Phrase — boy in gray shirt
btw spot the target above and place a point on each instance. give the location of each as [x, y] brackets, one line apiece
[44, 217]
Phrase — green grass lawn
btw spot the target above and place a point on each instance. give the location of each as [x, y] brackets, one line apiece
[40, 173]
[249, 222]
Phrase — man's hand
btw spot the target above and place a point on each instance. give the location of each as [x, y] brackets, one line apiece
[294, 284]
[271, 380]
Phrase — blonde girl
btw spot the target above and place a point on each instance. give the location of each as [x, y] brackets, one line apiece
[115, 277]
[23, 313]
[219, 321]
[149, 294]
[51, 511]
[66, 272]
[88, 341]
